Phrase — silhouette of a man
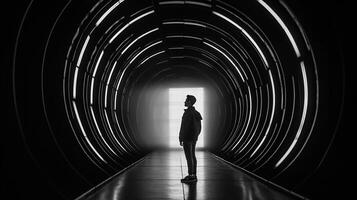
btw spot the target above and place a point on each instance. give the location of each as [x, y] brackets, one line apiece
[189, 131]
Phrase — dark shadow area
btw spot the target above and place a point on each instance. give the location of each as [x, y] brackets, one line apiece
[192, 191]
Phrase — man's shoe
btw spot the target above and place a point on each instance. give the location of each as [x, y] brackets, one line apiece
[189, 179]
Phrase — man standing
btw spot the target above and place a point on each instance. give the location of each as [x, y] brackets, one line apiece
[189, 131]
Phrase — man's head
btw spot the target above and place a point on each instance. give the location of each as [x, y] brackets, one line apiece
[190, 100]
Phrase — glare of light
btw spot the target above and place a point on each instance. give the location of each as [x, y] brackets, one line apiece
[115, 100]
[185, 23]
[167, 23]
[121, 77]
[303, 117]
[184, 36]
[84, 133]
[298, 24]
[195, 24]
[106, 88]
[76, 34]
[118, 190]
[96, 66]
[143, 35]
[250, 115]
[91, 91]
[116, 35]
[198, 3]
[111, 72]
[78, 118]
[246, 34]
[171, 2]
[227, 58]
[271, 116]
[160, 52]
[107, 12]
[75, 82]
[145, 50]
[100, 133]
[205, 63]
[177, 57]
[128, 24]
[121, 132]
[105, 96]
[177, 97]
[282, 24]
[256, 127]
[111, 130]
[82, 51]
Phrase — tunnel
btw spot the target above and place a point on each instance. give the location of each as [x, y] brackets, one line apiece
[100, 85]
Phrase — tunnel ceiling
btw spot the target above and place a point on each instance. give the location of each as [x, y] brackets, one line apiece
[255, 54]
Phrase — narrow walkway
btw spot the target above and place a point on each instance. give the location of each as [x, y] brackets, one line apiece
[158, 177]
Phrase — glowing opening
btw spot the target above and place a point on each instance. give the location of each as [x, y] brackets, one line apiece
[177, 97]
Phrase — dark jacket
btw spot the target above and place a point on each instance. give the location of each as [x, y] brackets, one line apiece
[190, 125]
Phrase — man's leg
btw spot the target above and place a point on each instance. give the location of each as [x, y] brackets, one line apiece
[187, 147]
[194, 160]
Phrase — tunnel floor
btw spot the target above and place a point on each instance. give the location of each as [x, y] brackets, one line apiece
[158, 176]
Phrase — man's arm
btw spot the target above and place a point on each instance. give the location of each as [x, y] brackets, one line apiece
[181, 130]
[186, 118]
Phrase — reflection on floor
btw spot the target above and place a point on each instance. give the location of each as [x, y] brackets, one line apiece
[158, 177]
